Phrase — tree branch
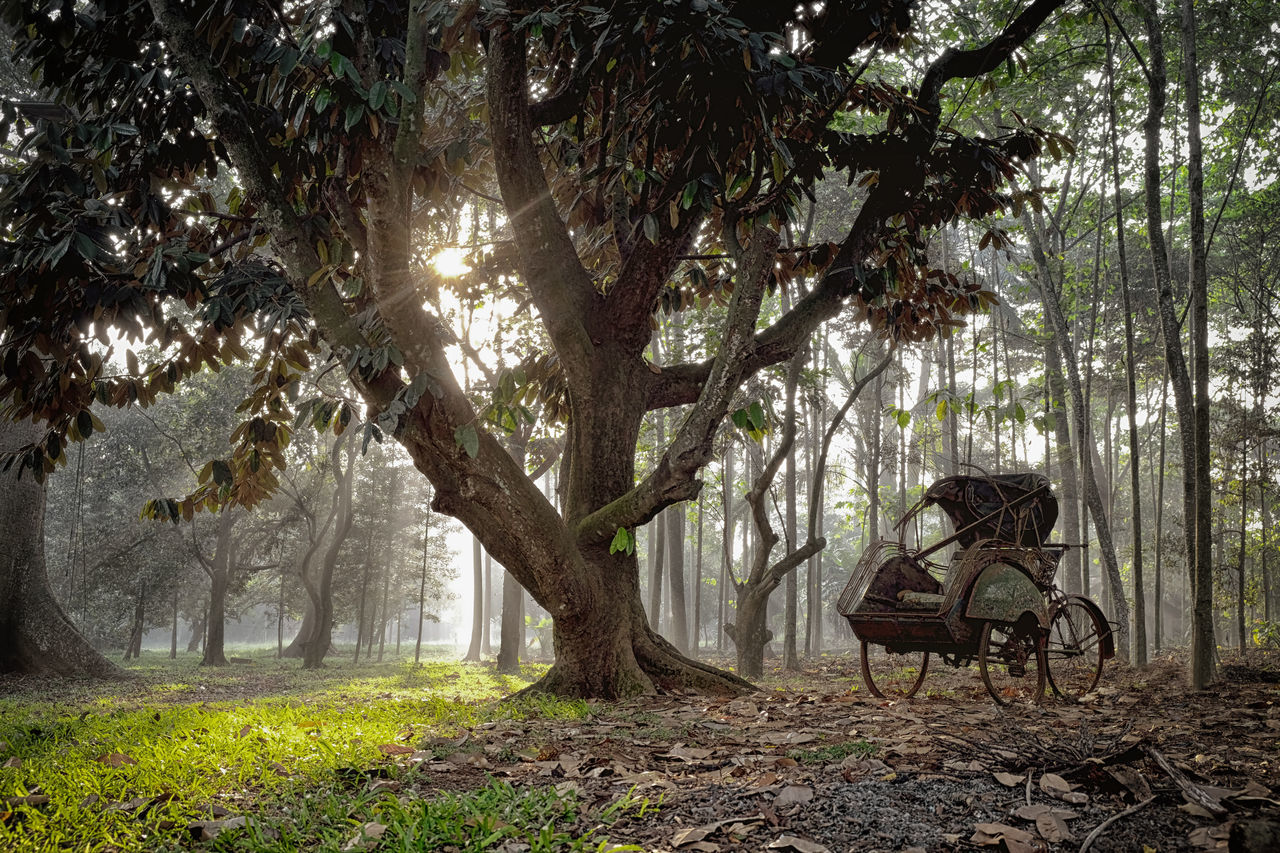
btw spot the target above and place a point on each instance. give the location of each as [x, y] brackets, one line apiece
[764, 576]
[673, 478]
[561, 288]
[820, 468]
[981, 60]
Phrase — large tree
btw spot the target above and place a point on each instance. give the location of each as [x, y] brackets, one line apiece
[623, 139]
[35, 633]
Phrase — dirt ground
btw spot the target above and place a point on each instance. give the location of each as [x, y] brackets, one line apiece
[819, 764]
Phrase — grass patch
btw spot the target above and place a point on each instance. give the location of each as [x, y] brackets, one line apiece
[128, 765]
[835, 752]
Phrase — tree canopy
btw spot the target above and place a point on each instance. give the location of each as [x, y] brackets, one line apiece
[250, 181]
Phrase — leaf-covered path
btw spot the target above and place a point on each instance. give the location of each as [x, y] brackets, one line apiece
[424, 759]
[815, 765]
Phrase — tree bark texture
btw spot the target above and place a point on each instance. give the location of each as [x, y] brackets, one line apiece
[219, 570]
[1069, 499]
[512, 621]
[1202, 641]
[36, 636]
[315, 644]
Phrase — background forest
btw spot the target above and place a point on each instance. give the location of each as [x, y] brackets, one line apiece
[1153, 201]
[633, 325]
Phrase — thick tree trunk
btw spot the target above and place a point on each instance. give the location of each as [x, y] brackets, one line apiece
[315, 647]
[134, 649]
[35, 634]
[214, 653]
[317, 642]
[219, 570]
[750, 634]
[512, 622]
[611, 652]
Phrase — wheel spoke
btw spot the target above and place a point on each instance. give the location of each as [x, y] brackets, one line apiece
[1011, 662]
[1074, 649]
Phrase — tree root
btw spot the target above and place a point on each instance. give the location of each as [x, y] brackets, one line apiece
[657, 666]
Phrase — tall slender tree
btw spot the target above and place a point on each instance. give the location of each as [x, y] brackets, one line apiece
[1138, 653]
[1202, 642]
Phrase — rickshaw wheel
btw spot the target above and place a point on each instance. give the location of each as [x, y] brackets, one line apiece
[890, 687]
[1073, 650]
[1011, 662]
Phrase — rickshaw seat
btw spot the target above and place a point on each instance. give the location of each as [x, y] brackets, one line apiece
[913, 600]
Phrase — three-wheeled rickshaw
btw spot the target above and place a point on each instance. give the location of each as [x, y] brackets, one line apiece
[993, 601]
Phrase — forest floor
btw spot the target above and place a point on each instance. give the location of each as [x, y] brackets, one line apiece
[262, 756]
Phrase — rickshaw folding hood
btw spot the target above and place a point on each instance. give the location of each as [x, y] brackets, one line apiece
[1015, 508]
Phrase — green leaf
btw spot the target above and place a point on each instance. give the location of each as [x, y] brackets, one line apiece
[406, 94]
[377, 95]
[903, 417]
[222, 473]
[651, 227]
[756, 415]
[690, 191]
[740, 418]
[622, 541]
[85, 246]
[468, 439]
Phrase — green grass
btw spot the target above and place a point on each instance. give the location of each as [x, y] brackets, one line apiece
[291, 750]
[834, 752]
